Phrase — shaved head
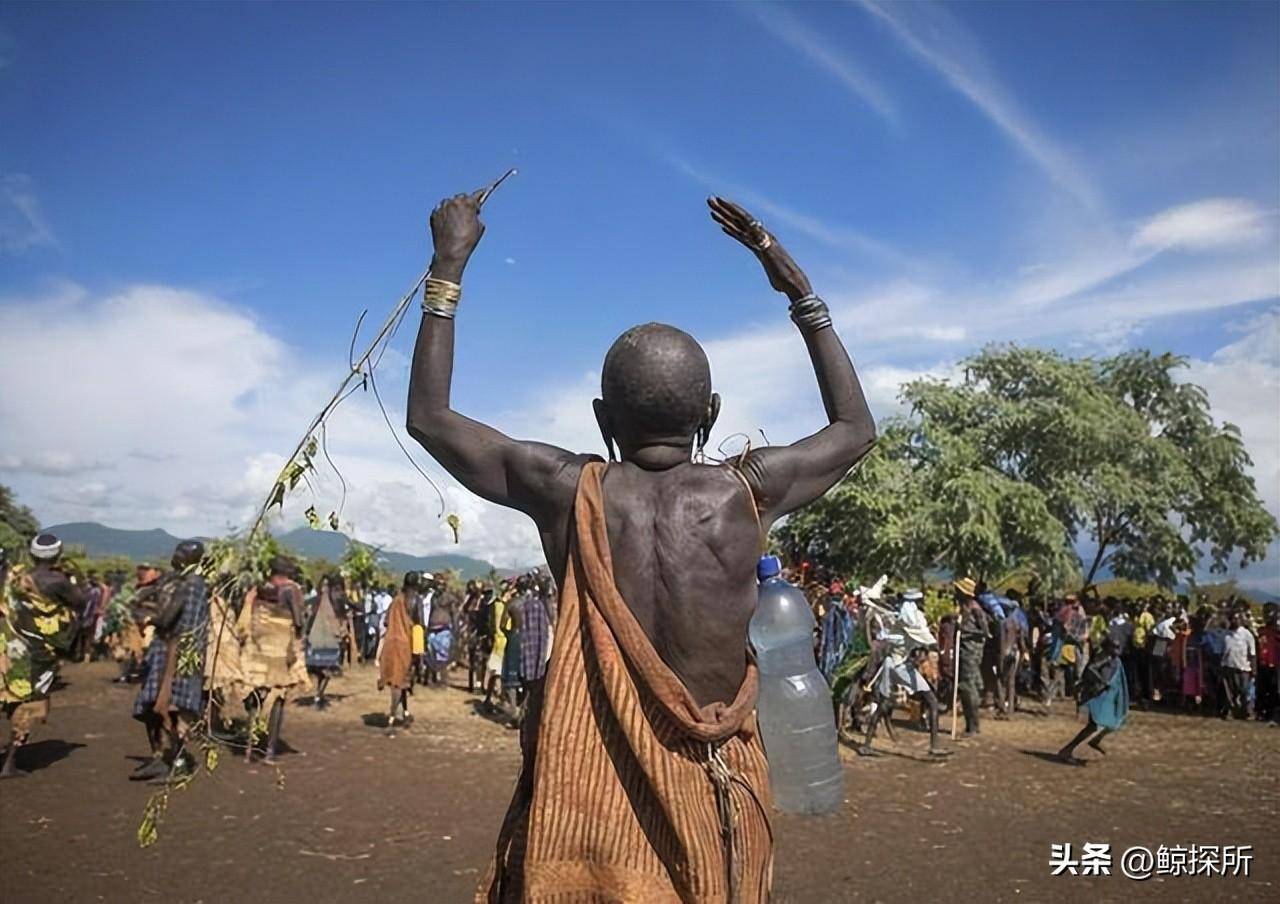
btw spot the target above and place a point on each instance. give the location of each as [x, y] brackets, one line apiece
[656, 383]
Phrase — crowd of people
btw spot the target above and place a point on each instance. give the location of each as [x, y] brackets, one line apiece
[191, 652]
[876, 647]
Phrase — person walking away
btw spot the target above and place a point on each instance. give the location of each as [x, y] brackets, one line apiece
[476, 615]
[326, 637]
[87, 622]
[38, 609]
[439, 633]
[271, 655]
[394, 656]
[171, 698]
[1105, 692]
[513, 622]
[535, 639]
[497, 648]
[1011, 646]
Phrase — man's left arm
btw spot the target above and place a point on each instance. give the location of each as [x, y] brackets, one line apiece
[784, 478]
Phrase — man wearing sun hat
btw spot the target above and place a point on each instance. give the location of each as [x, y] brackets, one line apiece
[906, 642]
[973, 639]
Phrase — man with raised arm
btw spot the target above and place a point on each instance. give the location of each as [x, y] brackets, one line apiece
[650, 687]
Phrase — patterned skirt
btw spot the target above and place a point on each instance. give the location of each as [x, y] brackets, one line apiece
[186, 693]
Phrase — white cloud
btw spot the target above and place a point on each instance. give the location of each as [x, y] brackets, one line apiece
[789, 29]
[23, 225]
[1201, 225]
[158, 407]
[936, 38]
[1243, 382]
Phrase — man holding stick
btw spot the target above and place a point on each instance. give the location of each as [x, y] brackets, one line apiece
[650, 686]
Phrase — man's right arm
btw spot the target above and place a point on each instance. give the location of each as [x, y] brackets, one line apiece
[528, 476]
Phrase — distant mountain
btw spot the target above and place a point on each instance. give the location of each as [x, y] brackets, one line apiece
[157, 546]
[326, 544]
[98, 540]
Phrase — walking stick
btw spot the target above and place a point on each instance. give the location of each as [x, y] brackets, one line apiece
[955, 680]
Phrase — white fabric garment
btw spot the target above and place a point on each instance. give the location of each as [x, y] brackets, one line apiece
[912, 623]
[1237, 647]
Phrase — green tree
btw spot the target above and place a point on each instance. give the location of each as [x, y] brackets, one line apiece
[1033, 453]
[363, 567]
[17, 523]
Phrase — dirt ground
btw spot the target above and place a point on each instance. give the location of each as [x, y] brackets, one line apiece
[358, 816]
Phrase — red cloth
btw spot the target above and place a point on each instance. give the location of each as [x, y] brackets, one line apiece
[1269, 647]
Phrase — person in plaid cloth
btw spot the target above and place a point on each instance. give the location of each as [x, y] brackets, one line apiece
[172, 693]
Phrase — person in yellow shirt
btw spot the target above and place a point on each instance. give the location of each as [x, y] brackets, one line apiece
[1097, 627]
[498, 650]
[1143, 624]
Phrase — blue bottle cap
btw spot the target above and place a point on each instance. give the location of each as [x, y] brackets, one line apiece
[768, 567]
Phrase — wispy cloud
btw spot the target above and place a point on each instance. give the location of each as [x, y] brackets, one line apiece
[791, 30]
[23, 225]
[832, 234]
[934, 36]
[1201, 225]
[1208, 224]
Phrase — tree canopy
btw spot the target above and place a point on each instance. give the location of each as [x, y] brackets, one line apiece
[17, 523]
[1033, 455]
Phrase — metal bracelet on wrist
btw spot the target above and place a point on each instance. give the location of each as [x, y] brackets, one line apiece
[445, 309]
[440, 298]
[810, 313]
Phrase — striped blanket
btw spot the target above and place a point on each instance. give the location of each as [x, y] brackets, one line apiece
[630, 790]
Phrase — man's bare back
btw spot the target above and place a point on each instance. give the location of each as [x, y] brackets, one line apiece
[685, 543]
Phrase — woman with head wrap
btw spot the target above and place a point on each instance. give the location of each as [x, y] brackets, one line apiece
[37, 621]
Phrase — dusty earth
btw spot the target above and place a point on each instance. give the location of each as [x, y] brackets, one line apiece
[359, 816]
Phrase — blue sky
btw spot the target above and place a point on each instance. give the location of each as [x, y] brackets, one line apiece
[1084, 176]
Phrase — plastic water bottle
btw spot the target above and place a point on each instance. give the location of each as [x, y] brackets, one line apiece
[797, 720]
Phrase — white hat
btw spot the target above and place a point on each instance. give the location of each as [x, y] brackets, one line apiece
[45, 547]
